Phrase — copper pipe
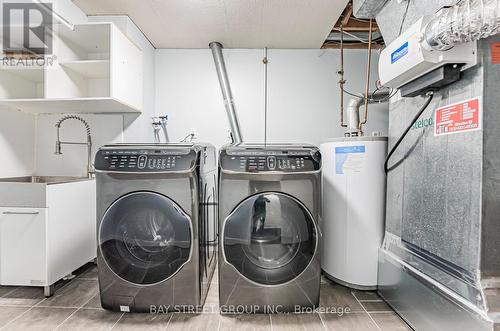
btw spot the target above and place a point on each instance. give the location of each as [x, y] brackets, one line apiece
[367, 85]
[342, 81]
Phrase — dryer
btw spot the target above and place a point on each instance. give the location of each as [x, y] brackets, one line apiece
[156, 226]
[269, 207]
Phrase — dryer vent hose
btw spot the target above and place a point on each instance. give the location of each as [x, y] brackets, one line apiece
[467, 21]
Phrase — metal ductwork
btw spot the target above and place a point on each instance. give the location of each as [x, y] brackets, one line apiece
[467, 21]
[367, 8]
[220, 66]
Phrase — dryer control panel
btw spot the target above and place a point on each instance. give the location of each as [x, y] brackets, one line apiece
[270, 160]
[145, 160]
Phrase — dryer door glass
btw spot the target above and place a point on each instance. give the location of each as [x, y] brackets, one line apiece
[145, 237]
[269, 238]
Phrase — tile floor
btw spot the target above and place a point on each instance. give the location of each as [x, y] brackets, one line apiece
[76, 306]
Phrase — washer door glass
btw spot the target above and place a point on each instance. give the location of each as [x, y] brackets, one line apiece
[269, 238]
[145, 237]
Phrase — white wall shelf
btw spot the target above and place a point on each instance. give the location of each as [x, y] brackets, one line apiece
[89, 68]
[20, 82]
[33, 74]
[97, 69]
[97, 105]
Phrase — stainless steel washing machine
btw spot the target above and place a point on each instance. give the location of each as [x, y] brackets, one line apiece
[269, 207]
[156, 231]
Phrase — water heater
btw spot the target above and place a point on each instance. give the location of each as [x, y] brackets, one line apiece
[354, 188]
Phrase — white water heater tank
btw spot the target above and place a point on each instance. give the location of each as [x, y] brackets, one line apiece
[354, 188]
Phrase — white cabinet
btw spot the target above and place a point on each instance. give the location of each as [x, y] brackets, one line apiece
[94, 68]
[23, 246]
[46, 234]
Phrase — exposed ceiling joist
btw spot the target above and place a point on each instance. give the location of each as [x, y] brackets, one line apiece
[356, 32]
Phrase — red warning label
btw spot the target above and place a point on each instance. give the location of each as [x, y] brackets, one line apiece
[495, 53]
[459, 117]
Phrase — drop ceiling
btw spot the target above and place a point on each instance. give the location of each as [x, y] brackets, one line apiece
[234, 23]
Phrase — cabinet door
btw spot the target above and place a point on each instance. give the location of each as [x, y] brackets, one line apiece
[22, 246]
[126, 70]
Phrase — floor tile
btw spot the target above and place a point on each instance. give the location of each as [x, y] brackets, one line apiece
[212, 300]
[143, 322]
[333, 296]
[376, 306]
[8, 314]
[6, 290]
[366, 295]
[90, 272]
[291, 322]
[59, 311]
[390, 322]
[60, 284]
[74, 295]
[23, 296]
[90, 320]
[94, 303]
[194, 322]
[244, 322]
[40, 319]
[493, 299]
[359, 321]
[215, 277]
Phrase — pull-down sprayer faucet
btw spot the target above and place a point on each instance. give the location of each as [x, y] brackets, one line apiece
[88, 143]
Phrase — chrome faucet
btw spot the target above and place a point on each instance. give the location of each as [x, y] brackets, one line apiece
[59, 143]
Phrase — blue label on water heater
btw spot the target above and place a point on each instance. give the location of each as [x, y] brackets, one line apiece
[399, 53]
[349, 149]
[349, 159]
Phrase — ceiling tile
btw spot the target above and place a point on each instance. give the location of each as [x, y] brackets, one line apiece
[234, 23]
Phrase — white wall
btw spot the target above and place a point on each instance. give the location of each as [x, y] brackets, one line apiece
[188, 91]
[303, 99]
[17, 143]
[105, 129]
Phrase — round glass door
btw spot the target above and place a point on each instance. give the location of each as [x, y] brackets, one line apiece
[145, 237]
[270, 238]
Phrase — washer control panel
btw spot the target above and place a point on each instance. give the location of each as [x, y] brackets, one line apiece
[145, 160]
[270, 160]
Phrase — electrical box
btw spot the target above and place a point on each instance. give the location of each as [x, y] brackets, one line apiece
[410, 57]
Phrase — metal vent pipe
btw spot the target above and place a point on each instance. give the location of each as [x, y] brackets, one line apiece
[225, 87]
[353, 116]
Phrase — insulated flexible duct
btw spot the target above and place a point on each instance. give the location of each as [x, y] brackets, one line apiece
[469, 20]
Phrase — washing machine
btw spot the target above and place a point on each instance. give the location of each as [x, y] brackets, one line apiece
[269, 207]
[156, 226]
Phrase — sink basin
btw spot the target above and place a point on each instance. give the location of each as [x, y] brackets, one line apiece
[43, 179]
[31, 191]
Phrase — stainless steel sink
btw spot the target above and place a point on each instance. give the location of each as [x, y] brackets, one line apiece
[43, 179]
[31, 191]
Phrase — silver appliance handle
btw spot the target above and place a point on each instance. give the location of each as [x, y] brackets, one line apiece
[21, 213]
